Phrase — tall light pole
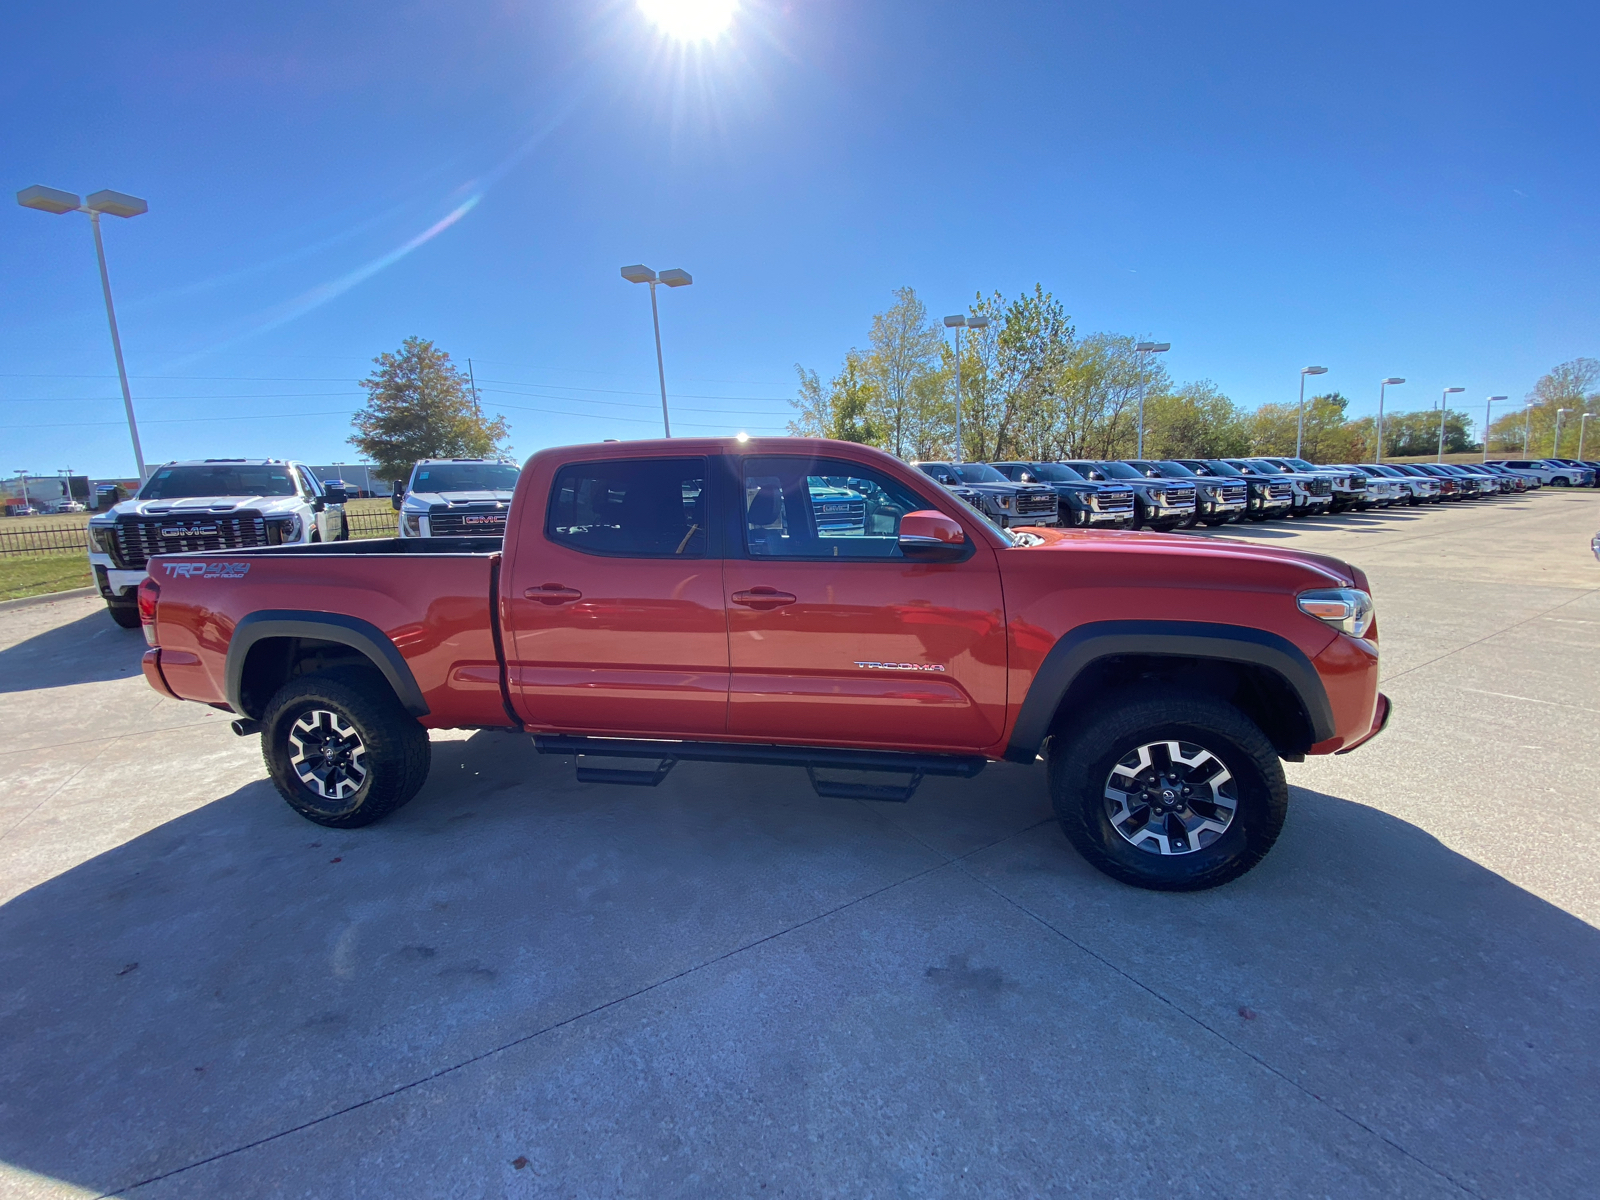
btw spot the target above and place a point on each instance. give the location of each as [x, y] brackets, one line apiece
[673, 278]
[1527, 428]
[116, 204]
[1147, 349]
[1555, 449]
[1300, 424]
[1443, 400]
[1583, 428]
[23, 471]
[958, 323]
[1387, 383]
[1488, 406]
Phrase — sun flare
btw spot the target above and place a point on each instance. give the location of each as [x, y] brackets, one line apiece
[690, 20]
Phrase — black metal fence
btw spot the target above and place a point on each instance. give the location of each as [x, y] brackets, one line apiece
[27, 538]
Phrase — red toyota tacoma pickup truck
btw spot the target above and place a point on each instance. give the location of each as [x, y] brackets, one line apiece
[792, 602]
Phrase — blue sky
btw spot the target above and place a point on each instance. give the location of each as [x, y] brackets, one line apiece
[1387, 190]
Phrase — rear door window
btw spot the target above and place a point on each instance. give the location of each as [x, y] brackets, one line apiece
[634, 508]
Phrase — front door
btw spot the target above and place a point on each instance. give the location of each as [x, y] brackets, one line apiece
[834, 637]
[615, 618]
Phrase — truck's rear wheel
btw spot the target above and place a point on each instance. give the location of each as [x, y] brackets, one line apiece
[341, 750]
[1173, 793]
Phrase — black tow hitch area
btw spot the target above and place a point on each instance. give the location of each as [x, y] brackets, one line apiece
[813, 758]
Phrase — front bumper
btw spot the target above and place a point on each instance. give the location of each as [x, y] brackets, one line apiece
[114, 582]
[1380, 721]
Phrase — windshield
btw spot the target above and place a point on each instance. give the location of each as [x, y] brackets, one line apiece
[1259, 468]
[1174, 470]
[1054, 472]
[1300, 464]
[218, 479]
[1215, 466]
[1118, 470]
[464, 477]
[980, 473]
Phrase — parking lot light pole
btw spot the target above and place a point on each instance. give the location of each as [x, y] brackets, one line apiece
[1387, 383]
[958, 323]
[1300, 423]
[117, 204]
[1583, 428]
[1147, 349]
[1555, 448]
[1443, 402]
[1527, 427]
[23, 471]
[1488, 405]
[673, 278]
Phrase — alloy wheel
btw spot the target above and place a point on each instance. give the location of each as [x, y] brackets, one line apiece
[327, 754]
[1171, 797]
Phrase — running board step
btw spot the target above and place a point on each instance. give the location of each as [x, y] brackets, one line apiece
[812, 758]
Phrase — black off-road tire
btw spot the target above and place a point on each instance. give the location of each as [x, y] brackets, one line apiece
[124, 612]
[394, 753]
[1081, 763]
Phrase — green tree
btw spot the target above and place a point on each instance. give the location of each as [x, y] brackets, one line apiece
[1195, 421]
[905, 349]
[1571, 386]
[1416, 434]
[419, 406]
[843, 410]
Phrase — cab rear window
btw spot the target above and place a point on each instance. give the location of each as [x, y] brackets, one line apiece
[636, 508]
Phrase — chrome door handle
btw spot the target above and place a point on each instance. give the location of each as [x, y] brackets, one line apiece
[553, 593]
[764, 597]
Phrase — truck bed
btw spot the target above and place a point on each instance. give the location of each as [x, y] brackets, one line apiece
[433, 600]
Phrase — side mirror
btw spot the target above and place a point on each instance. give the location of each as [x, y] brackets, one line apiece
[335, 495]
[930, 535]
[398, 494]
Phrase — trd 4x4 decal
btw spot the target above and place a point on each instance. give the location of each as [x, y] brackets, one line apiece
[206, 570]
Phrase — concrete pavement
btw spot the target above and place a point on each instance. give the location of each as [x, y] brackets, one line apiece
[520, 985]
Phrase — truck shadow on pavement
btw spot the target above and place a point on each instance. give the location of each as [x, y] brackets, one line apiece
[89, 650]
[238, 972]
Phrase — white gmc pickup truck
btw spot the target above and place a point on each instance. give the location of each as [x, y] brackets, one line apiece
[207, 504]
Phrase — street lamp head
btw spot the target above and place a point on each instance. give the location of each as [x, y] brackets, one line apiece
[977, 322]
[1497, 399]
[955, 322]
[1448, 391]
[676, 278]
[1313, 370]
[1563, 410]
[48, 200]
[115, 204]
[1393, 379]
[1153, 347]
[638, 273]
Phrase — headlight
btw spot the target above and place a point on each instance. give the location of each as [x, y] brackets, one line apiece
[1347, 609]
[1003, 501]
[286, 528]
[101, 538]
[410, 525]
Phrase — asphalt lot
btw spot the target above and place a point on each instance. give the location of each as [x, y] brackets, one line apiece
[521, 985]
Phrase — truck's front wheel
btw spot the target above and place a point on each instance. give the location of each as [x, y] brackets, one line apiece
[1175, 793]
[341, 750]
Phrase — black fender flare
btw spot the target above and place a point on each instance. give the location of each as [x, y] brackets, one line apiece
[359, 635]
[1168, 639]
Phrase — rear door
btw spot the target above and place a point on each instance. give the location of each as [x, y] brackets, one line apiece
[615, 617]
[834, 636]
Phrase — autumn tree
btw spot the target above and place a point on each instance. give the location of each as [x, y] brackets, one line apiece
[844, 409]
[420, 406]
[1195, 421]
[905, 349]
[1572, 386]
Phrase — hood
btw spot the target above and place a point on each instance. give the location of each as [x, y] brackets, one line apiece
[204, 506]
[482, 496]
[1330, 571]
[1001, 489]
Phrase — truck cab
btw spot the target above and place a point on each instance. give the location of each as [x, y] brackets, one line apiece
[455, 497]
[207, 504]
